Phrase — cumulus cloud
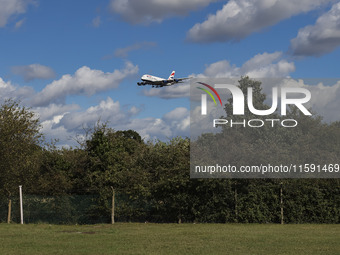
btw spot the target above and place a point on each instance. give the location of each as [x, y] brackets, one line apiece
[321, 38]
[85, 81]
[240, 18]
[179, 119]
[10, 91]
[259, 66]
[148, 11]
[34, 71]
[51, 111]
[106, 110]
[172, 124]
[6, 85]
[9, 8]
[64, 137]
[123, 52]
[67, 122]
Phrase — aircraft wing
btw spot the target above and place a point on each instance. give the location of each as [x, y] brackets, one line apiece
[181, 79]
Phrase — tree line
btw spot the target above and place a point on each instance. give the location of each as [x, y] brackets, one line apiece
[151, 180]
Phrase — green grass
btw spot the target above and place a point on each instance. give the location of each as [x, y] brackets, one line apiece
[138, 238]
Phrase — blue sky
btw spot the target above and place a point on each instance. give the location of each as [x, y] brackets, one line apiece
[74, 62]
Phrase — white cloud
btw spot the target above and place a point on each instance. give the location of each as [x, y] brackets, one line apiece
[107, 110]
[9, 8]
[151, 128]
[177, 113]
[321, 38]
[6, 85]
[240, 18]
[52, 110]
[148, 11]
[259, 66]
[65, 122]
[179, 119]
[172, 124]
[123, 52]
[8, 90]
[85, 81]
[65, 137]
[34, 71]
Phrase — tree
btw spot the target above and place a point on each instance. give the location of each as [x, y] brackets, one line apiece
[169, 180]
[19, 139]
[112, 162]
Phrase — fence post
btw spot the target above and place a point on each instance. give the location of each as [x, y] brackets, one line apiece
[21, 208]
[281, 204]
[235, 200]
[113, 206]
[9, 211]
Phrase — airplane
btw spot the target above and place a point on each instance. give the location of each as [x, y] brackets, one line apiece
[159, 82]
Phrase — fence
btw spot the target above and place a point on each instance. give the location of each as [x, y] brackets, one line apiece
[67, 209]
[243, 201]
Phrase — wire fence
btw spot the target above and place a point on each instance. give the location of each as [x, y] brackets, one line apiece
[74, 209]
[70, 209]
[263, 204]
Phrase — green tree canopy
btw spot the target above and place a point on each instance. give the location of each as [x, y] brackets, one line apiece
[20, 137]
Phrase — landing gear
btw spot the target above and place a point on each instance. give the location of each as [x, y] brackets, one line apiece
[145, 83]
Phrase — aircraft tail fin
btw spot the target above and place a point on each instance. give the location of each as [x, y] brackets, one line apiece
[172, 75]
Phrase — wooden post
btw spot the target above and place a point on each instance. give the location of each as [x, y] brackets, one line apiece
[113, 206]
[21, 208]
[281, 204]
[9, 211]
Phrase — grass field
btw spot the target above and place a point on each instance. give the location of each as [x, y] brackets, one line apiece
[138, 238]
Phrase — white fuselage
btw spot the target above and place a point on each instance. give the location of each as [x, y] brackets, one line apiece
[159, 82]
[153, 79]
